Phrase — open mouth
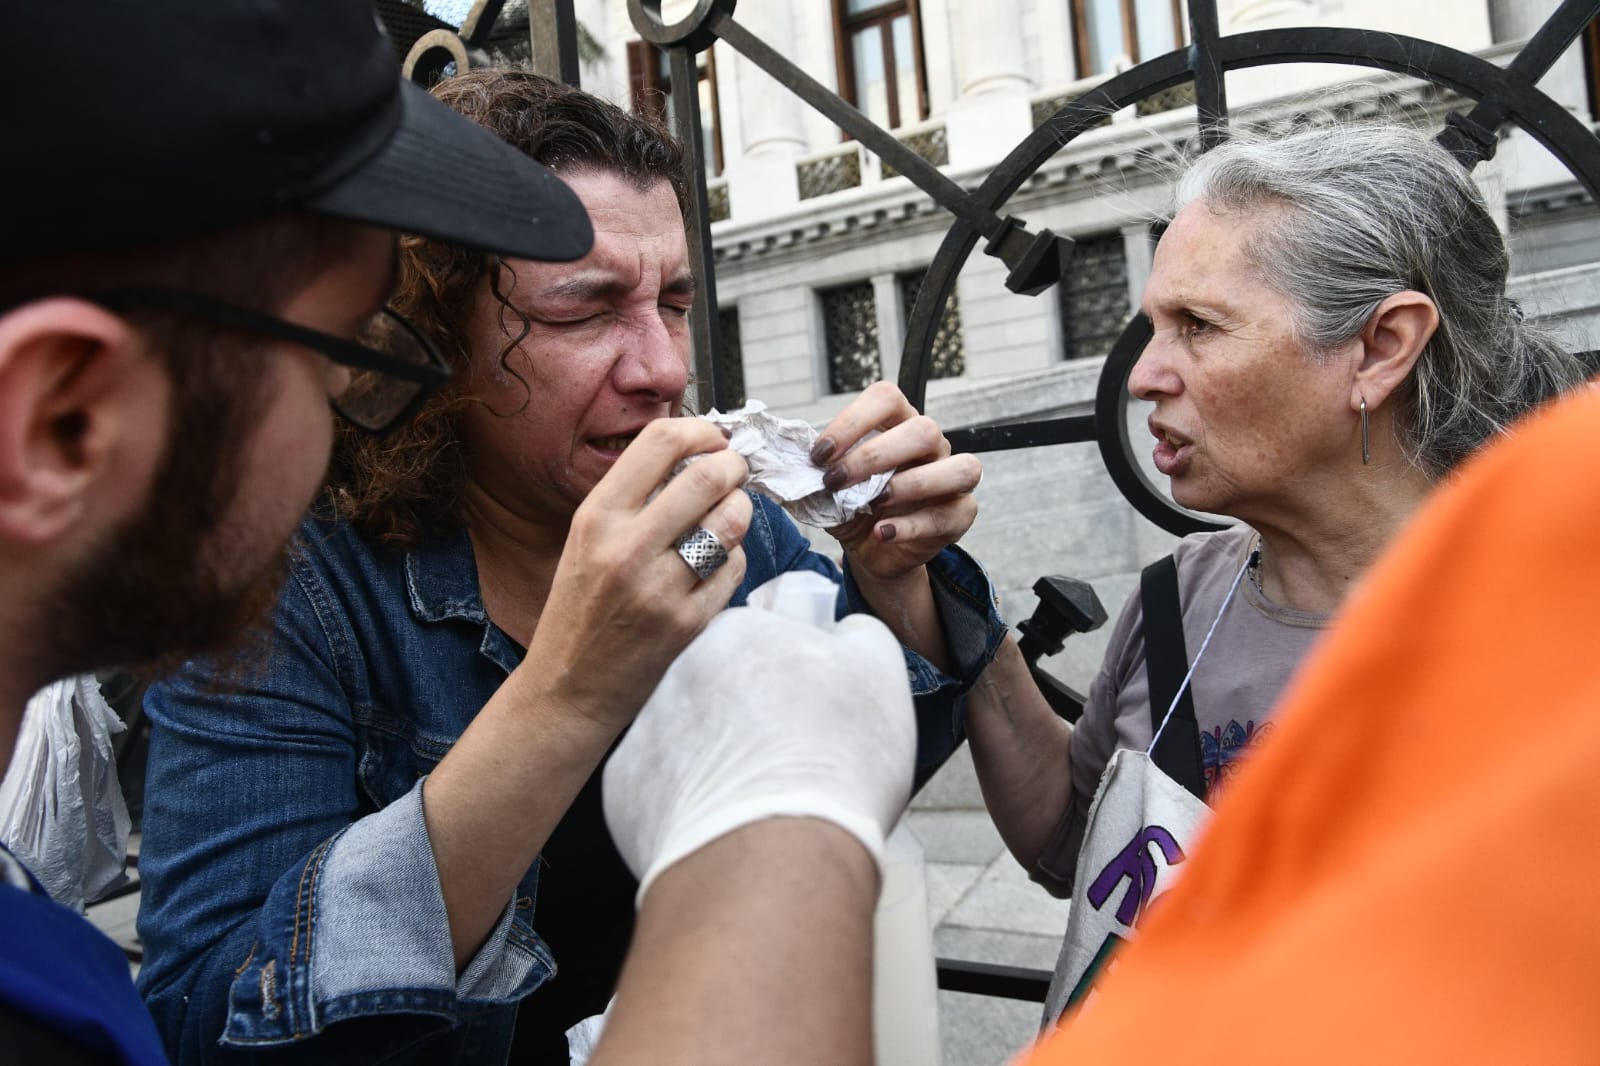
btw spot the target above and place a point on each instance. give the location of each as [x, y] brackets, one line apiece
[1171, 450]
[613, 444]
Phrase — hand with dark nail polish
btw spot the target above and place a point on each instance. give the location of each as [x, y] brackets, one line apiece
[929, 507]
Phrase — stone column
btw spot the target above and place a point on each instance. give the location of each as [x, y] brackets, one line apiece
[891, 323]
[1252, 86]
[762, 181]
[991, 46]
[993, 113]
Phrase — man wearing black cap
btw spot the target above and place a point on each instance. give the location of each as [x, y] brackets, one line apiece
[193, 263]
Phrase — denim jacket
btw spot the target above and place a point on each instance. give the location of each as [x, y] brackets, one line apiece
[289, 883]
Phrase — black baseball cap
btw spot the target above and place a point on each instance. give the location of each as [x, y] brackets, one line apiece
[134, 122]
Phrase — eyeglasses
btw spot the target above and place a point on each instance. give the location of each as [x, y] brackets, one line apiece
[399, 367]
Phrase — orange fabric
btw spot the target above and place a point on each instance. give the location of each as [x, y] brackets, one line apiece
[1408, 869]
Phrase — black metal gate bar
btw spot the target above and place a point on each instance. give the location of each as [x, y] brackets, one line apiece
[479, 23]
[714, 389]
[993, 979]
[553, 37]
[1210, 88]
[1006, 436]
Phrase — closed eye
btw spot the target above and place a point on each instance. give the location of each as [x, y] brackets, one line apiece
[574, 320]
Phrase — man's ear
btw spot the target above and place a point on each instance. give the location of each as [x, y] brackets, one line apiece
[82, 406]
[1391, 341]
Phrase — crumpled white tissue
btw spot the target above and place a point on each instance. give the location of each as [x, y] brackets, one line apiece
[779, 453]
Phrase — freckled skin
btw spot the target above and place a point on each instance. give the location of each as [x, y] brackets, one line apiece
[1265, 427]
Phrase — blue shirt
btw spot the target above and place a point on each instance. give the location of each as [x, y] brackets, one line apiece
[60, 972]
[289, 883]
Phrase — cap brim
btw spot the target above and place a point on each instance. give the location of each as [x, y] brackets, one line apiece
[443, 177]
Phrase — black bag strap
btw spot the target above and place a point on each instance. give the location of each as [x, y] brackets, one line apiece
[1166, 661]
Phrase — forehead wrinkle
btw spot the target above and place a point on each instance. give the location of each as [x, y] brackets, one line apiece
[1194, 275]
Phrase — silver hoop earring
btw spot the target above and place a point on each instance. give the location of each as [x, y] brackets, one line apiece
[1366, 436]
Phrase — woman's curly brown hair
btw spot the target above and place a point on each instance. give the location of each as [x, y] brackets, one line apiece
[408, 485]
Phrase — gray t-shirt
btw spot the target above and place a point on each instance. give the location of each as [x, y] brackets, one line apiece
[1253, 653]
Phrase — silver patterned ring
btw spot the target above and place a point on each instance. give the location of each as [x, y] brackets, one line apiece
[702, 550]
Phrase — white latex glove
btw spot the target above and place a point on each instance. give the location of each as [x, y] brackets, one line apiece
[763, 715]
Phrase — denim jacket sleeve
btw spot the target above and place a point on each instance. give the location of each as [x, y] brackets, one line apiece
[279, 898]
[968, 608]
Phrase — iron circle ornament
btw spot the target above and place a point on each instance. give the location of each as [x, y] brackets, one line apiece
[1509, 93]
[432, 53]
[695, 31]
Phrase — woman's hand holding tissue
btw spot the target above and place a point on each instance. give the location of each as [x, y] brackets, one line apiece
[929, 503]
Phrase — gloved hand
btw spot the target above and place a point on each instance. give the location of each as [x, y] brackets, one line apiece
[763, 715]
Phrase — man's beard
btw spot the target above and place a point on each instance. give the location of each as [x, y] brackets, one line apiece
[153, 595]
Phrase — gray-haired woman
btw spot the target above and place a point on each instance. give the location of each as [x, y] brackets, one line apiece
[1332, 336]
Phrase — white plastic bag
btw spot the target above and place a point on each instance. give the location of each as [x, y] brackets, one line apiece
[61, 809]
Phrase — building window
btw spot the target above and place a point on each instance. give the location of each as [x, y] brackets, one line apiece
[850, 325]
[880, 59]
[1138, 29]
[948, 359]
[731, 369]
[650, 84]
[1094, 296]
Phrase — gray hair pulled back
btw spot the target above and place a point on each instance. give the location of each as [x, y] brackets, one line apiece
[1348, 217]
